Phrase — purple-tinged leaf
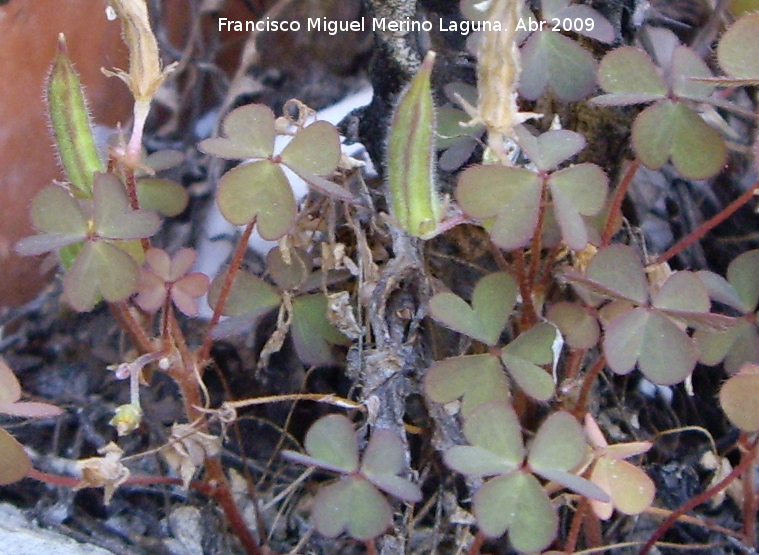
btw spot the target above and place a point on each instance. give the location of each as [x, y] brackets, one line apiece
[577, 191]
[682, 291]
[579, 327]
[313, 334]
[628, 72]
[112, 216]
[672, 130]
[517, 503]
[558, 445]
[600, 30]
[100, 269]
[353, 505]
[259, 191]
[737, 46]
[617, 268]
[736, 346]
[46, 242]
[477, 462]
[384, 454]
[249, 133]
[580, 485]
[314, 149]
[686, 64]
[54, 210]
[475, 379]
[332, 440]
[549, 149]
[624, 339]
[665, 354]
[742, 274]
[495, 427]
[571, 71]
[324, 186]
[722, 291]
[510, 195]
[398, 487]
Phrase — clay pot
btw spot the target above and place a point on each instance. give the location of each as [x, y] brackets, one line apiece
[28, 42]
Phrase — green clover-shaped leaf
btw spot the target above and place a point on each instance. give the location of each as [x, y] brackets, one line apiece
[475, 379]
[258, 190]
[672, 130]
[492, 302]
[495, 435]
[507, 199]
[739, 398]
[101, 229]
[577, 191]
[165, 196]
[524, 357]
[514, 500]
[669, 129]
[579, 328]
[550, 58]
[737, 345]
[662, 350]
[736, 46]
[629, 76]
[353, 503]
[250, 298]
[249, 133]
[313, 333]
[518, 504]
[549, 149]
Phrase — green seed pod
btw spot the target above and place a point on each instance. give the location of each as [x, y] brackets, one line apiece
[414, 201]
[70, 120]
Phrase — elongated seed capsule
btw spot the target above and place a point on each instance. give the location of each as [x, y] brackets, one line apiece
[72, 127]
[414, 201]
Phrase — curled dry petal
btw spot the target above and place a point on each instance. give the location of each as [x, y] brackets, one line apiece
[107, 471]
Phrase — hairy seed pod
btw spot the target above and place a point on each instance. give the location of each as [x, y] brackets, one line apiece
[72, 127]
[414, 201]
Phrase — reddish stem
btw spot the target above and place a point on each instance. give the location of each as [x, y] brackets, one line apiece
[536, 246]
[576, 526]
[746, 462]
[615, 210]
[708, 225]
[134, 330]
[226, 288]
[529, 316]
[371, 549]
[474, 549]
[587, 384]
[749, 494]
